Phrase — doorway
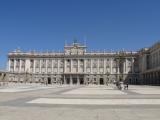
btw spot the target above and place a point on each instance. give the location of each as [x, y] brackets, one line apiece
[101, 82]
[49, 80]
[74, 80]
[67, 81]
[81, 81]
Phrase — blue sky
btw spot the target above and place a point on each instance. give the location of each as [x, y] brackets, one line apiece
[105, 24]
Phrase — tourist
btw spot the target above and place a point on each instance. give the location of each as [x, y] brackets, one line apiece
[127, 86]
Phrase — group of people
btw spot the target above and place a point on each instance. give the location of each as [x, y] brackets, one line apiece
[122, 85]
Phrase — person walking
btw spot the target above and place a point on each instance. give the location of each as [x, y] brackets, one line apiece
[127, 86]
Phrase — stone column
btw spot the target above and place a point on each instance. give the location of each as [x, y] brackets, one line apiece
[124, 67]
[71, 65]
[84, 79]
[84, 65]
[9, 64]
[46, 66]
[98, 66]
[91, 66]
[64, 79]
[58, 66]
[78, 80]
[64, 65]
[52, 66]
[111, 66]
[77, 65]
[34, 66]
[118, 67]
[71, 81]
[104, 66]
[40, 61]
[20, 64]
[132, 65]
[14, 69]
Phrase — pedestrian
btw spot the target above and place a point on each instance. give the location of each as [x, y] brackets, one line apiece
[127, 86]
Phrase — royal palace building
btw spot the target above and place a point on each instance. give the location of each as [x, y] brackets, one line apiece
[73, 66]
[149, 65]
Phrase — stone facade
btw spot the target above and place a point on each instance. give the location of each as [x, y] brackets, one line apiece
[149, 65]
[3, 76]
[73, 66]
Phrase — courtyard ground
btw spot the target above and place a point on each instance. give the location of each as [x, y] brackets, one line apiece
[76, 102]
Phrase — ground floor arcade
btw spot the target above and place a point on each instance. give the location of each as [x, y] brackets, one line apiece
[80, 79]
[151, 78]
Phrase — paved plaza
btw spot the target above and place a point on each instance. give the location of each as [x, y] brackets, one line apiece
[75, 102]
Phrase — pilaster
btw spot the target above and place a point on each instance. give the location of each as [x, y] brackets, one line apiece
[9, 64]
[40, 68]
[20, 65]
[71, 65]
[46, 67]
[91, 65]
[98, 66]
[71, 81]
[84, 65]
[132, 65]
[104, 66]
[64, 65]
[78, 80]
[78, 65]
[52, 66]
[34, 66]
[14, 68]
[111, 66]
[58, 67]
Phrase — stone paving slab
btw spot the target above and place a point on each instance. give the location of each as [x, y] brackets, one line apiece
[51, 113]
[22, 89]
[147, 91]
[11, 88]
[96, 101]
[16, 107]
[95, 90]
